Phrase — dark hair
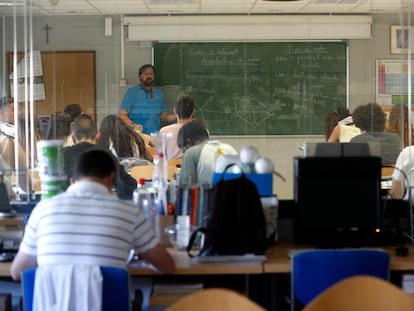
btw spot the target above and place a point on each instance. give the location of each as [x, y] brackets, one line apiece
[192, 133]
[143, 67]
[370, 117]
[331, 121]
[83, 127]
[184, 106]
[112, 127]
[73, 110]
[343, 112]
[94, 163]
[398, 123]
[58, 126]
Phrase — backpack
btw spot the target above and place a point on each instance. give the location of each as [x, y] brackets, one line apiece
[235, 222]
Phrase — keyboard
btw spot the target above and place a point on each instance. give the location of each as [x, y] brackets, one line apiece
[293, 251]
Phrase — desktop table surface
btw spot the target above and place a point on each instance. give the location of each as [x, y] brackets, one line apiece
[185, 266]
[277, 261]
[188, 266]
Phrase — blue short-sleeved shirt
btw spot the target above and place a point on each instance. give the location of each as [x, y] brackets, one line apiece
[143, 110]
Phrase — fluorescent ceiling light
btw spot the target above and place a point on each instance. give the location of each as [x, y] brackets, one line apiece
[12, 3]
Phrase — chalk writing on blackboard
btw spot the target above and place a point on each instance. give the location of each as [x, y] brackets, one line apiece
[284, 88]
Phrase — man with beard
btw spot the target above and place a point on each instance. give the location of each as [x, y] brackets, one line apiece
[143, 107]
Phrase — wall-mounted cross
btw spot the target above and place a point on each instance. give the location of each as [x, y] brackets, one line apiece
[47, 28]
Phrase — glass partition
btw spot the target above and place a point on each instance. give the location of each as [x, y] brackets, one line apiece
[51, 60]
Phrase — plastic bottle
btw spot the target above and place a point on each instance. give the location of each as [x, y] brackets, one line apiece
[160, 174]
[160, 183]
[156, 171]
[144, 199]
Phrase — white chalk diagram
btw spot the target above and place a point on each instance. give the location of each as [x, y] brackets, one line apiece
[250, 110]
[277, 111]
[246, 108]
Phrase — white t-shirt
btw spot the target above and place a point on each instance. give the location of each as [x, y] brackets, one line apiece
[347, 132]
[172, 151]
[86, 225]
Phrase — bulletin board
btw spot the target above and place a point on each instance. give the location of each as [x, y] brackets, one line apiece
[391, 85]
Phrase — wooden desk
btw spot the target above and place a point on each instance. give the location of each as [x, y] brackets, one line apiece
[187, 266]
[278, 261]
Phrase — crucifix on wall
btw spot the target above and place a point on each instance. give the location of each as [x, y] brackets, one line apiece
[47, 28]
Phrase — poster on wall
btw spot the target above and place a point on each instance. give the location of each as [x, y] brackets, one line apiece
[392, 82]
[22, 76]
[401, 39]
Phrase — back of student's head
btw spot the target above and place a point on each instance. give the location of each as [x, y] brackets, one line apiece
[192, 133]
[83, 127]
[397, 118]
[109, 123]
[184, 106]
[58, 126]
[94, 163]
[73, 110]
[343, 112]
[331, 120]
[113, 130]
[370, 117]
[399, 123]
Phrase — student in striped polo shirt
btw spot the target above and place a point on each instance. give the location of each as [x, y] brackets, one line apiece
[88, 225]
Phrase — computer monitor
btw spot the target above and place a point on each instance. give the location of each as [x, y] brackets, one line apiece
[325, 149]
[337, 201]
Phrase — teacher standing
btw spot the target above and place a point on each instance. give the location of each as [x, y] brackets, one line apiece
[143, 107]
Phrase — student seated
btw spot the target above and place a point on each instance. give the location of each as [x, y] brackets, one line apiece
[403, 175]
[200, 154]
[372, 120]
[84, 134]
[92, 218]
[184, 110]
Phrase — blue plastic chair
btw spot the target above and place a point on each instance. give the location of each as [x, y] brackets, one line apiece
[115, 291]
[314, 271]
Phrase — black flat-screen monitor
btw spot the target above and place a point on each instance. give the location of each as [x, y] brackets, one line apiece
[337, 201]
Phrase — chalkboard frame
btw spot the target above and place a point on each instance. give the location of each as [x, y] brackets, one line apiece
[226, 120]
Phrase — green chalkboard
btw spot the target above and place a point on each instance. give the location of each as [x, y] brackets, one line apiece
[278, 88]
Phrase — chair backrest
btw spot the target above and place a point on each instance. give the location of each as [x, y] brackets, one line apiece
[213, 299]
[145, 171]
[175, 162]
[115, 290]
[360, 293]
[387, 171]
[314, 271]
[142, 171]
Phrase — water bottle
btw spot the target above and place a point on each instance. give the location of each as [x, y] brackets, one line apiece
[156, 171]
[160, 182]
[144, 199]
[160, 173]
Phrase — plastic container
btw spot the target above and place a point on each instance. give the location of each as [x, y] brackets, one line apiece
[53, 185]
[263, 182]
[50, 157]
[146, 199]
[160, 173]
